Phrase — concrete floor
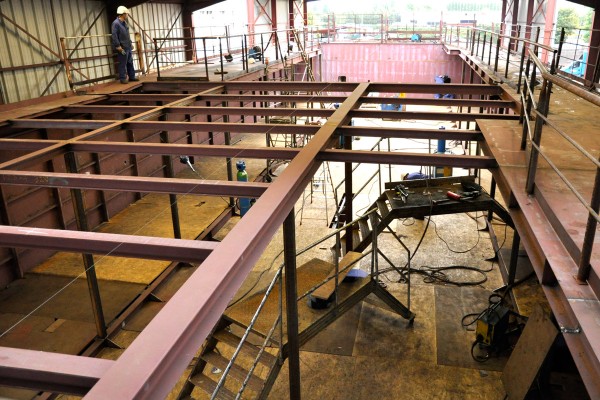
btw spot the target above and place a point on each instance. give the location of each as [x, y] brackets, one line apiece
[370, 352]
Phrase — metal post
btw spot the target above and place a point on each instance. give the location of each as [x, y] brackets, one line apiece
[490, 215]
[337, 266]
[508, 50]
[514, 258]
[490, 53]
[289, 253]
[221, 59]
[158, 60]
[543, 105]
[228, 159]
[205, 57]
[521, 68]
[483, 46]
[88, 259]
[590, 232]
[349, 195]
[170, 173]
[498, 44]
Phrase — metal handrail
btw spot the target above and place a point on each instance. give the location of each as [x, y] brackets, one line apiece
[279, 317]
[248, 330]
[541, 114]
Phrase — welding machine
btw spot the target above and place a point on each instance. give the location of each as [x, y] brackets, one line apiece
[492, 326]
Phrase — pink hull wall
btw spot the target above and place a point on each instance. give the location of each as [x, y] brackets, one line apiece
[388, 62]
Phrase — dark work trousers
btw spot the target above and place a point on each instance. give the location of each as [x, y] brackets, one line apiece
[126, 65]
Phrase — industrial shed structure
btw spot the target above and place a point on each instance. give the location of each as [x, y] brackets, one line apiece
[120, 207]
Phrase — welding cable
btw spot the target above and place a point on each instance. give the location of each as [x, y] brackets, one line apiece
[247, 292]
[451, 249]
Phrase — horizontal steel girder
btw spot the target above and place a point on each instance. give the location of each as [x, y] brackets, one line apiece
[346, 87]
[428, 116]
[384, 157]
[146, 247]
[50, 372]
[197, 110]
[229, 151]
[218, 109]
[133, 184]
[152, 364]
[306, 98]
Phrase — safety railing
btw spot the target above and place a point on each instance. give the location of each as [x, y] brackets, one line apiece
[535, 116]
[91, 59]
[503, 54]
[249, 49]
[371, 28]
[506, 54]
[277, 280]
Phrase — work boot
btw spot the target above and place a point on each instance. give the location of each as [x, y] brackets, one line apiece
[133, 79]
[123, 81]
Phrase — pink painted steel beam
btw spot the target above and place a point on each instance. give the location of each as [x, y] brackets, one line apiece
[157, 358]
[167, 126]
[51, 372]
[133, 183]
[401, 158]
[146, 247]
[430, 116]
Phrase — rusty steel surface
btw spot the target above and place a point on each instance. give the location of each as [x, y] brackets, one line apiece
[156, 359]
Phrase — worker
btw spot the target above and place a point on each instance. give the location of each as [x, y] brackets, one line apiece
[121, 42]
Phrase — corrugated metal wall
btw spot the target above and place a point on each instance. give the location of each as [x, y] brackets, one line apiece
[48, 21]
[410, 62]
[159, 21]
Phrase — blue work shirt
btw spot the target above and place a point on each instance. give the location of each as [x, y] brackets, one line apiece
[120, 34]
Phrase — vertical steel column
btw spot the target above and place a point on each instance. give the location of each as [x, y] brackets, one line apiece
[514, 28]
[170, 173]
[349, 195]
[590, 233]
[228, 159]
[529, 22]
[88, 259]
[7, 220]
[543, 105]
[592, 72]
[188, 34]
[291, 297]
[56, 191]
[98, 171]
[490, 215]
[211, 137]
[133, 158]
[514, 259]
[273, 19]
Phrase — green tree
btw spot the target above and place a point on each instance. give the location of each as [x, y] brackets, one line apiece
[586, 24]
[567, 18]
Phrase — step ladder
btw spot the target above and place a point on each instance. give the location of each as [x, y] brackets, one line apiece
[213, 360]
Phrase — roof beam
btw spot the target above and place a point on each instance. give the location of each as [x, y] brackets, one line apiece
[133, 183]
[50, 372]
[146, 247]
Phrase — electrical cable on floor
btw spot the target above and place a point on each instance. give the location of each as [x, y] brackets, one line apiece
[448, 246]
[247, 292]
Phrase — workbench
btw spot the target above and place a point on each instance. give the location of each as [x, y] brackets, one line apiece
[424, 193]
[420, 202]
